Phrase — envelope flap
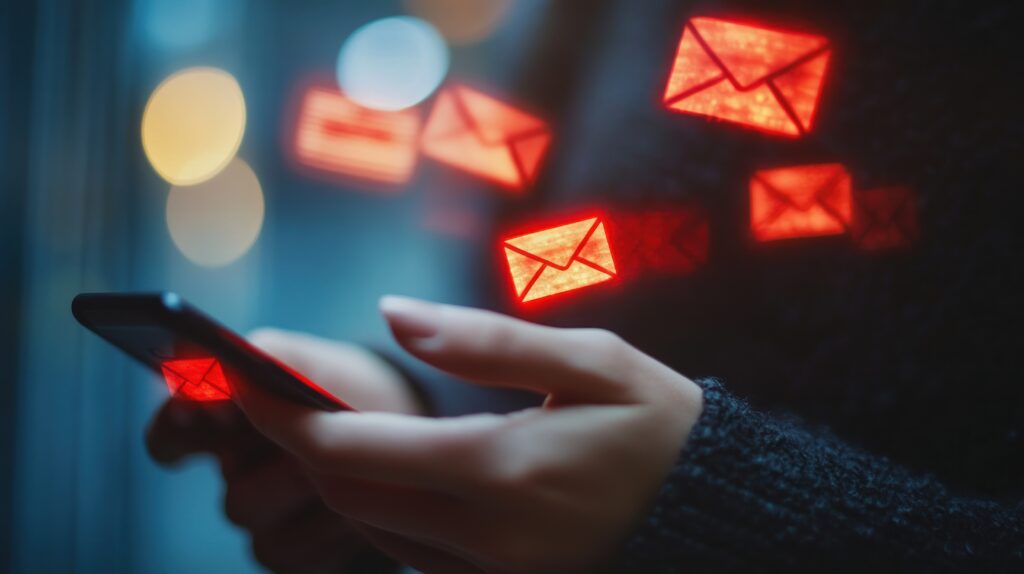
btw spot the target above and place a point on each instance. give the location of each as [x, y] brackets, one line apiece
[554, 246]
[496, 122]
[596, 250]
[192, 370]
[803, 187]
[751, 54]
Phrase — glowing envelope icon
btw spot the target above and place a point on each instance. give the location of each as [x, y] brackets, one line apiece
[483, 136]
[339, 136]
[800, 201]
[765, 79]
[559, 259]
[884, 218]
[196, 379]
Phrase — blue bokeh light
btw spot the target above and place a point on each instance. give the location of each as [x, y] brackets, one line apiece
[392, 63]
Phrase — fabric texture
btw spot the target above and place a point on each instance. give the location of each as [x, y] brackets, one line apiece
[753, 492]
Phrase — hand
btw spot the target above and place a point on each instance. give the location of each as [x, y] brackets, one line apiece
[553, 489]
[268, 494]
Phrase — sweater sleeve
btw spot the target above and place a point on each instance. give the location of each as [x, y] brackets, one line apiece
[754, 493]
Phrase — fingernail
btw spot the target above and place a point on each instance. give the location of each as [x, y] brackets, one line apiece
[410, 317]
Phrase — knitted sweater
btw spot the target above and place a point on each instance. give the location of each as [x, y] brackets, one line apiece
[757, 493]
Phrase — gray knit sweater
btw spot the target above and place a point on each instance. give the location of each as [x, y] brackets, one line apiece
[756, 493]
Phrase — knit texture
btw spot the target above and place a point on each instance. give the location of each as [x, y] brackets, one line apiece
[755, 493]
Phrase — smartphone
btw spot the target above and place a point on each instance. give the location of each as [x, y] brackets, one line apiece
[156, 328]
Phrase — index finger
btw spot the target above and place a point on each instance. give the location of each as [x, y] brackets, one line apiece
[383, 447]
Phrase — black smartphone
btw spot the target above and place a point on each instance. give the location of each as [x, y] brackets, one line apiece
[158, 328]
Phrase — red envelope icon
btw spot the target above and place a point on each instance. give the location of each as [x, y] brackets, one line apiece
[559, 259]
[669, 240]
[336, 135]
[800, 201]
[884, 218]
[478, 134]
[196, 379]
[765, 79]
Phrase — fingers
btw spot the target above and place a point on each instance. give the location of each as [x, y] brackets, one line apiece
[410, 512]
[358, 376]
[424, 558]
[314, 540]
[268, 494]
[484, 347]
[382, 447]
[182, 428]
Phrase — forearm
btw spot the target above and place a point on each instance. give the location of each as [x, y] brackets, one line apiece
[751, 492]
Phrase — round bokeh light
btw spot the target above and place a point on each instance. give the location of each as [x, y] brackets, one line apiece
[217, 221]
[392, 63]
[193, 124]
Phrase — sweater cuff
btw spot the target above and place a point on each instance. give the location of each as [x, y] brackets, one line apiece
[686, 528]
[748, 492]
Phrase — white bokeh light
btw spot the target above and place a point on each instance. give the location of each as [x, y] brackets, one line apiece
[392, 63]
[215, 222]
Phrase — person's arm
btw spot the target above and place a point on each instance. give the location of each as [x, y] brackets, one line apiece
[751, 491]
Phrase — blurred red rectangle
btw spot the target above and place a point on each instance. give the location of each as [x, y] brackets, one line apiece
[338, 136]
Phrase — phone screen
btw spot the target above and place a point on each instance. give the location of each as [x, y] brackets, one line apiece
[196, 356]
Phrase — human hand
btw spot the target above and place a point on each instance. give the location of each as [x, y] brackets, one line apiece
[553, 489]
[267, 491]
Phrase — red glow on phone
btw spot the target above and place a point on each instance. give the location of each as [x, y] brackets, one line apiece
[800, 201]
[337, 136]
[196, 379]
[762, 78]
[481, 135]
[884, 218]
[559, 259]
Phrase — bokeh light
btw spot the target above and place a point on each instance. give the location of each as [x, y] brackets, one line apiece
[392, 63]
[184, 24]
[461, 21]
[193, 124]
[217, 221]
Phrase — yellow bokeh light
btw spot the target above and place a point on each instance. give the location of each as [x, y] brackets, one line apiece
[216, 222]
[193, 124]
[461, 21]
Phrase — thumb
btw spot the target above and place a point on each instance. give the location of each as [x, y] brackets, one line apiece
[572, 365]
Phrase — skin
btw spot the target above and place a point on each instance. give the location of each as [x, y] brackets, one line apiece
[551, 489]
[268, 492]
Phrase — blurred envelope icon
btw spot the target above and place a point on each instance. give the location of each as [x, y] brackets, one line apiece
[336, 135]
[483, 136]
[765, 79]
[196, 379]
[884, 218]
[800, 201]
[559, 259]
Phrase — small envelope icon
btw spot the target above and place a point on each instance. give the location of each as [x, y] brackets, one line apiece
[483, 136]
[559, 259]
[667, 240]
[765, 79]
[801, 201]
[336, 135]
[196, 379]
[884, 218]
